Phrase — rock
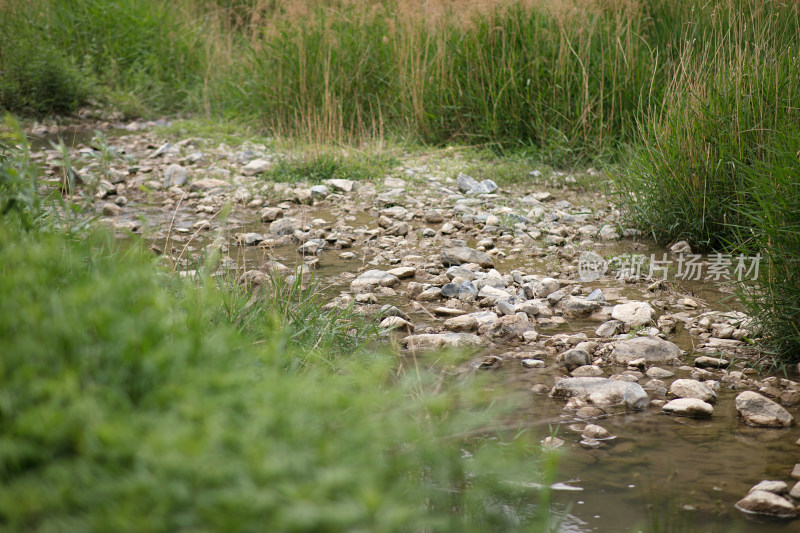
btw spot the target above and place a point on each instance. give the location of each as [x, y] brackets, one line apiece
[757, 410]
[431, 294]
[372, 278]
[438, 341]
[602, 391]
[689, 388]
[552, 442]
[341, 185]
[691, 407]
[249, 239]
[652, 349]
[256, 166]
[510, 327]
[659, 373]
[546, 287]
[403, 272]
[111, 209]
[469, 185]
[312, 247]
[680, 247]
[579, 307]
[538, 363]
[396, 322]
[766, 503]
[269, 214]
[574, 358]
[587, 371]
[593, 431]
[460, 255]
[775, 487]
[319, 191]
[174, 176]
[633, 314]
[705, 361]
[207, 184]
[795, 492]
[433, 217]
[609, 328]
[284, 226]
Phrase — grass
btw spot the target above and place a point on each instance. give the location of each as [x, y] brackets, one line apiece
[136, 400]
[317, 167]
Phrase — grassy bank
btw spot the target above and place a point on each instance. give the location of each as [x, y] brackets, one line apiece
[134, 400]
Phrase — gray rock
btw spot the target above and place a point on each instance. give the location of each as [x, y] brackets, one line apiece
[311, 247]
[438, 341]
[602, 391]
[403, 272]
[505, 308]
[207, 184]
[510, 327]
[689, 388]
[284, 226]
[659, 373]
[579, 307]
[538, 363]
[574, 358]
[776, 487]
[681, 247]
[459, 255]
[691, 407]
[469, 185]
[652, 349]
[546, 287]
[633, 314]
[597, 296]
[256, 166]
[460, 272]
[705, 361]
[766, 503]
[587, 371]
[593, 431]
[758, 410]
[609, 328]
[373, 278]
[341, 185]
[319, 191]
[249, 239]
[174, 176]
[268, 214]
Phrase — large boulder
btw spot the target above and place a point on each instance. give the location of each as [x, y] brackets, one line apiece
[602, 391]
[651, 349]
[459, 255]
[758, 410]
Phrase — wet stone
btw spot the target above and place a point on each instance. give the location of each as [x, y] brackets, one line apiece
[757, 410]
[689, 407]
[652, 349]
[689, 388]
[766, 503]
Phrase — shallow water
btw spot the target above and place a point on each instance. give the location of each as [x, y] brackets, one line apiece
[659, 473]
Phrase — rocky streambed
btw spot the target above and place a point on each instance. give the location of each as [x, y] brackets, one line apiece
[646, 381]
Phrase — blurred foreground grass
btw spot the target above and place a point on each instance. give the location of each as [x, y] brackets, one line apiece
[133, 400]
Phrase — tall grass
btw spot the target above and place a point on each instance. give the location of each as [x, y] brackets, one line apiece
[718, 159]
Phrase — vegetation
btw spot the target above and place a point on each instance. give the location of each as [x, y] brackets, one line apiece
[135, 400]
